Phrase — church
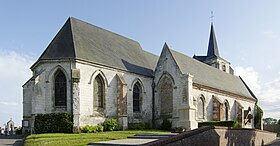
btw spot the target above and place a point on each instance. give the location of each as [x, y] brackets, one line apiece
[96, 74]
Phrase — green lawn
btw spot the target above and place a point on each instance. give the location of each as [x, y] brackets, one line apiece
[55, 139]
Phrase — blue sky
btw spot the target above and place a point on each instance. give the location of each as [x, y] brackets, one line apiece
[247, 32]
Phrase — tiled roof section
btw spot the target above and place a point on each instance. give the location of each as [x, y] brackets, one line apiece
[210, 76]
[81, 40]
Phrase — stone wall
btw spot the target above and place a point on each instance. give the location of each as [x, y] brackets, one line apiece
[167, 68]
[88, 72]
[218, 136]
[208, 95]
[272, 128]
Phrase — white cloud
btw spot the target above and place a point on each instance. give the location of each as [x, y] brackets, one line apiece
[250, 76]
[268, 93]
[13, 74]
[272, 35]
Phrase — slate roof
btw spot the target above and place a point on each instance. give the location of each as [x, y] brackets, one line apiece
[213, 50]
[212, 46]
[210, 76]
[80, 40]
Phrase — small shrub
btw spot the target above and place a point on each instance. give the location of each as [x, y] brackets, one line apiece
[233, 124]
[54, 123]
[85, 129]
[89, 129]
[166, 124]
[94, 129]
[100, 128]
[110, 125]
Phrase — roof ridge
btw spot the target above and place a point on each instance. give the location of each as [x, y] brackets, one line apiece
[208, 66]
[72, 34]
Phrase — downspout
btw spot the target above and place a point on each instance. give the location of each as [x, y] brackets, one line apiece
[71, 88]
[153, 104]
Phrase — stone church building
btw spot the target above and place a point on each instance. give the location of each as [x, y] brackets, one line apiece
[97, 74]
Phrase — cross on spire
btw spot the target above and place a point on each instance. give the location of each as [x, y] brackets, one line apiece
[212, 17]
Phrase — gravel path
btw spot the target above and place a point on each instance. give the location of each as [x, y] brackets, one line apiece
[15, 140]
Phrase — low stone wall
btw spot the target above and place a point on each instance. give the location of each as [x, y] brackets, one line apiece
[272, 128]
[218, 136]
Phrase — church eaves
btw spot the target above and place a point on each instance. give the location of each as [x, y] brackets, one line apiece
[83, 41]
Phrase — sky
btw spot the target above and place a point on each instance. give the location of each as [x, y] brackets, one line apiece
[247, 32]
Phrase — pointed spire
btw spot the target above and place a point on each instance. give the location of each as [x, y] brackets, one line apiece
[212, 46]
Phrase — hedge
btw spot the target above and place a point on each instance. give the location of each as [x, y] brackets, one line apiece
[233, 124]
[54, 123]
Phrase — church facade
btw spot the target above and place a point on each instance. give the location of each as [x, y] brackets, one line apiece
[96, 74]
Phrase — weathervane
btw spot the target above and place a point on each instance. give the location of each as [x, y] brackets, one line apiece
[212, 16]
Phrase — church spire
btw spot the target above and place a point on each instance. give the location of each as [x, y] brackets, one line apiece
[212, 46]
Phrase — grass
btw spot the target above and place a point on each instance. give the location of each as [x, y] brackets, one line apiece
[61, 139]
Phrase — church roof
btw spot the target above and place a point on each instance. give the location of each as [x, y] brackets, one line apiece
[213, 50]
[80, 40]
[210, 76]
[212, 46]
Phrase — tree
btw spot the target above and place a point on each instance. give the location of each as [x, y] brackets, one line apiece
[279, 122]
[269, 121]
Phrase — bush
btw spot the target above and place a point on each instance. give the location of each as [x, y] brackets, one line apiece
[110, 125]
[54, 123]
[100, 128]
[166, 124]
[89, 129]
[233, 124]
[258, 117]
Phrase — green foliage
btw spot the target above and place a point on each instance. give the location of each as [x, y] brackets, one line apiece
[19, 130]
[269, 121]
[258, 117]
[54, 123]
[89, 129]
[110, 125]
[92, 129]
[166, 124]
[100, 128]
[233, 124]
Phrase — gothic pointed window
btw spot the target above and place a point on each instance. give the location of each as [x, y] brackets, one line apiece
[136, 97]
[200, 108]
[99, 92]
[60, 89]
[166, 97]
[226, 110]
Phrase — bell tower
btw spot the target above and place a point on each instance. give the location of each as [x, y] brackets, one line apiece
[213, 57]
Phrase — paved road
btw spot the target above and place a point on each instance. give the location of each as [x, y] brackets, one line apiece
[14, 140]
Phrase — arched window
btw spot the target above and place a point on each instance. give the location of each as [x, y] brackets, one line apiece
[166, 97]
[226, 111]
[60, 89]
[99, 93]
[136, 97]
[200, 108]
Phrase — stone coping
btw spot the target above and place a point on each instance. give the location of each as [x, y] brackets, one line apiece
[194, 132]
